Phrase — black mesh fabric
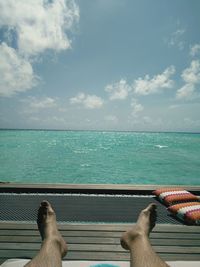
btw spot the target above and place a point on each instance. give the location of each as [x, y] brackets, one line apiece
[80, 208]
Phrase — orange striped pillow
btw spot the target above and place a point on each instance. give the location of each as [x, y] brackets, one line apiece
[171, 196]
[188, 212]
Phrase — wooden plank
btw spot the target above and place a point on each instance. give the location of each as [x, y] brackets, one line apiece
[103, 256]
[12, 254]
[87, 234]
[124, 256]
[101, 248]
[99, 240]
[72, 255]
[99, 227]
[106, 234]
[118, 187]
[100, 256]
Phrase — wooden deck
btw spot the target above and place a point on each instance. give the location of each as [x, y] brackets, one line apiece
[99, 242]
[96, 241]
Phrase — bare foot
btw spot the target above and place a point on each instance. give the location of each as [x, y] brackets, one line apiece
[48, 227]
[145, 223]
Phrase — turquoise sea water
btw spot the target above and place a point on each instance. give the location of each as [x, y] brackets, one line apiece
[99, 157]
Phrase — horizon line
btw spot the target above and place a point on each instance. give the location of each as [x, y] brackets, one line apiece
[93, 130]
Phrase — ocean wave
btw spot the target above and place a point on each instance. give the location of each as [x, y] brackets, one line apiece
[161, 146]
[85, 165]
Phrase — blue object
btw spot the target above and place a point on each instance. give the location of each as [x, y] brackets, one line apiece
[104, 265]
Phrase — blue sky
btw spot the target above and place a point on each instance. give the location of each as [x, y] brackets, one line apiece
[100, 65]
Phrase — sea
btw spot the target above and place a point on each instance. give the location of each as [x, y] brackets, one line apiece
[92, 157]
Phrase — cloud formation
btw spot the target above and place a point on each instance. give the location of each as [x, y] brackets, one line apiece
[88, 101]
[191, 77]
[195, 50]
[142, 86]
[16, 73]
[192, 74]
[30, 28]
[186, 92]
[34, 105]
[176, 39]
[118, 90]
[147, 85]
[136, 107]
[47, 102]
[39, 24]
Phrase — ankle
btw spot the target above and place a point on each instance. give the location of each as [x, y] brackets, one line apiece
[56, 243]
[132, 236]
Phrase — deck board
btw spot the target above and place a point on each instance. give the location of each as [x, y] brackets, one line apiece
[99, 241]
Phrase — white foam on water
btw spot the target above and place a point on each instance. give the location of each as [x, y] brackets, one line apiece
[160, 146]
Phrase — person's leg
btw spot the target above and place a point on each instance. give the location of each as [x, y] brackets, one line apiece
[53, 247]
[136, 240]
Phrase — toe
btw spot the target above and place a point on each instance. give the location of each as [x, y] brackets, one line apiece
[46, 207]
[45, 204]
[151, 207]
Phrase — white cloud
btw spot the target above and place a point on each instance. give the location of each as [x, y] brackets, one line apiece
[136, 107]
[47, 102]
[186, 91]
[88, 101]
[93, 101]
[191, 77]
[39, 24]
[176, 38]
[16, 73]
[195, 50]
[33, 26]
[192, 74]
[77, 99]
[159, 82]
[118, 90]
[34, 104]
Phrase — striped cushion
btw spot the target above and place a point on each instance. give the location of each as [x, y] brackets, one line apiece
[188, 212]
[172, 196]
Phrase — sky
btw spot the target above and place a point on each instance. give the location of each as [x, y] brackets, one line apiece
[124, 65]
